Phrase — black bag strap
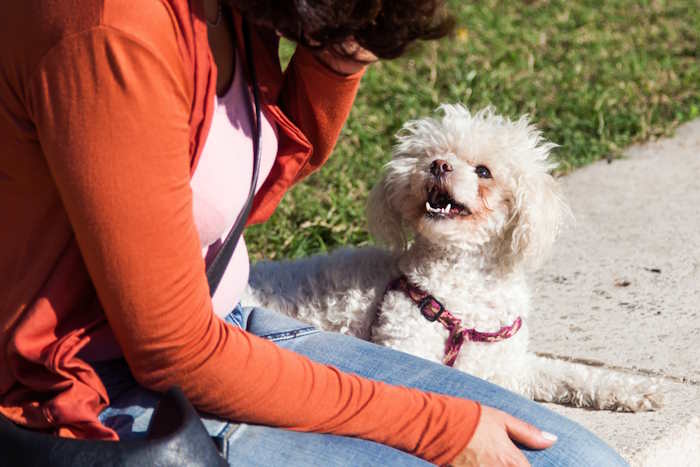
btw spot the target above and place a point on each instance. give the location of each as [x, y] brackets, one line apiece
[218, 265]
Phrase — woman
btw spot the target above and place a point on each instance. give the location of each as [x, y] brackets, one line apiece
[127, 152]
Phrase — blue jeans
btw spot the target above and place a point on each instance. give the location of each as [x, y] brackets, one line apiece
[251, 445]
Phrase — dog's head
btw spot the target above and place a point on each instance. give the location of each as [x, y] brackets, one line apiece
[471, 181]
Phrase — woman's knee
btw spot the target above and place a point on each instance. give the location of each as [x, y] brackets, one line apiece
[577, 448]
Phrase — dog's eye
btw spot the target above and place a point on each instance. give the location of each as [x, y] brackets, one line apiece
[482, 171]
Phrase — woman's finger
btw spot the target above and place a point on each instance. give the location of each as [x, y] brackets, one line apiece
[528, 435]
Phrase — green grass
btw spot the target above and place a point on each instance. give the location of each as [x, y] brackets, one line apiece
[596, 76]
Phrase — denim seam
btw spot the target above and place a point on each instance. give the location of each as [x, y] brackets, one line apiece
[222, 439]
[287, 335]
[232, 318]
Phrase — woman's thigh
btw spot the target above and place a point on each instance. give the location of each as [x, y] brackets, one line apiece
[575, 447]
[132, 407]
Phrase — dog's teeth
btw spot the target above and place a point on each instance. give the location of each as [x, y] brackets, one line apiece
[429, 208]
[447, 209]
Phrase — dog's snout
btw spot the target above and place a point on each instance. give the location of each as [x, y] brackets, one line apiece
[440, 167]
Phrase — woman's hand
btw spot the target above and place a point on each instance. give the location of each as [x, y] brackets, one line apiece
[345, 58]
[492, 443]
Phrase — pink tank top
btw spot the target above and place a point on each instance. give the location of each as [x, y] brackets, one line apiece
[221, 182]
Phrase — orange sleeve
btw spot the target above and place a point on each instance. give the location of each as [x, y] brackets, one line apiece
[318, 101]
[111, 113]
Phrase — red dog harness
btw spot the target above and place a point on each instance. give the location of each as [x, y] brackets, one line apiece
[433, 310]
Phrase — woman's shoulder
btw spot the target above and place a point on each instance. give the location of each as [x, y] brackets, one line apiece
[30, 29]
[153, 23]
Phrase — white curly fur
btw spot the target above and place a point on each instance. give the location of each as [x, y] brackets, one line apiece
[474, 264]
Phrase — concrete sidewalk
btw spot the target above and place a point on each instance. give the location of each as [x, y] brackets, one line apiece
[622, 290]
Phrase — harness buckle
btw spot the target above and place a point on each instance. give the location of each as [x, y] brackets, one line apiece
[424, 304]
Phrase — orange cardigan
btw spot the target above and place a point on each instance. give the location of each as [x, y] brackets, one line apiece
[104, 108]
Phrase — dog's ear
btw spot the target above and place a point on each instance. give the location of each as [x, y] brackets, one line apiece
[384, 220]
[537, 214]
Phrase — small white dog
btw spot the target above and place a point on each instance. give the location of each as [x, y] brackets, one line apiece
[466, 205]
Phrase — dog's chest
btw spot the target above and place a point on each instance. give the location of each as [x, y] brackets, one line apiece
[401, 326]
[479, 301]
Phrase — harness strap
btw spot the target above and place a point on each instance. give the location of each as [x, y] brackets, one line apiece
[433, 310]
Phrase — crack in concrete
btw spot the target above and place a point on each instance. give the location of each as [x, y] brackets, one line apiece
[607, 366]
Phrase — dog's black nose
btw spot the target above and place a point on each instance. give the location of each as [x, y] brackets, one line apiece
[440, 167]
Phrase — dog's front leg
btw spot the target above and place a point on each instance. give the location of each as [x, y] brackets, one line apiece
[580, 385]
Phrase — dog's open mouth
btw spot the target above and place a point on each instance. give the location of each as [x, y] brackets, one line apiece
[440, 204]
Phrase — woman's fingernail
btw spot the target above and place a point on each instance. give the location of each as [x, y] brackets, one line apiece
[549, 436]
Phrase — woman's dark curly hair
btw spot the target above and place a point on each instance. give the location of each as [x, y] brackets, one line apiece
[384, 27]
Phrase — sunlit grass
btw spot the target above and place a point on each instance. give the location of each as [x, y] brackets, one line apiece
[595, 76]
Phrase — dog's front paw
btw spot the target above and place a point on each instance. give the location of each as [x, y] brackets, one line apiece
[640, 395]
